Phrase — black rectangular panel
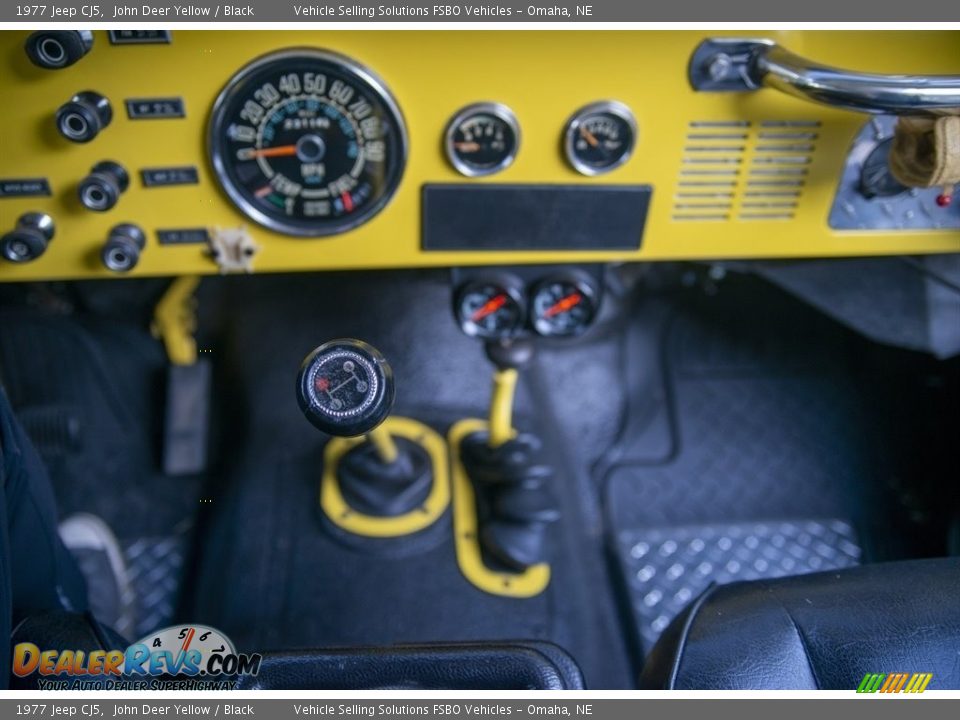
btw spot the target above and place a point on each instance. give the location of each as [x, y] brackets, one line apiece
[24, 187]
[161, 177]
[155, 108]
[186, 422]
[534, 217]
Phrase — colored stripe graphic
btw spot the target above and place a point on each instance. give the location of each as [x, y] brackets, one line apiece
[871, 682]
[894, 682]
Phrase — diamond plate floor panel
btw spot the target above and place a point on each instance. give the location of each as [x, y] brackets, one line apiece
[155, 566]
[666, 568]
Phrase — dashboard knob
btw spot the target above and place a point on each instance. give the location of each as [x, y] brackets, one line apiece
[101, 189]
[83, 116]
[121, 251]
[29, 239]
[345, 388]
[56, 49]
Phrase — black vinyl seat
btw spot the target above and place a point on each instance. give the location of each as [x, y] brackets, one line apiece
[820, 631]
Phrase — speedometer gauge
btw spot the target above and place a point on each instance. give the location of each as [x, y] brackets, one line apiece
[307, 142]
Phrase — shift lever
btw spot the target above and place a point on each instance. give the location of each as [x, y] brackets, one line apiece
[515, 505]
[345, 388]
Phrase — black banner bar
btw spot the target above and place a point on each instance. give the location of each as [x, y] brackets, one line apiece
[695, 12]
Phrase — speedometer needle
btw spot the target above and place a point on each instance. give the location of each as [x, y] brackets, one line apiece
[563, 305]
[278, 151]
[490, 306]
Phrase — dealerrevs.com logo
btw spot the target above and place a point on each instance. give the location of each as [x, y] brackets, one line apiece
[180, 657]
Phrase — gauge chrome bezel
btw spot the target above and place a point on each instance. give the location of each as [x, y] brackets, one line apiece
[350, 67]
[572, 126]
[499, 111]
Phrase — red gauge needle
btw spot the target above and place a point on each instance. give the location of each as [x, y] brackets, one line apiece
[468, 147]
[490, 306]
[563, 305]
[589, 137]
[278, 151]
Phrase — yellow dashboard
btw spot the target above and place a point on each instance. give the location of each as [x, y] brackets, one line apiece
[700, 167]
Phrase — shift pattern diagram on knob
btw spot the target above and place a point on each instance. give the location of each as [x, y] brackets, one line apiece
[345, 388]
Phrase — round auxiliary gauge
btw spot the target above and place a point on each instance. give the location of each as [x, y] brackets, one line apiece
[600, 137]
[491, 309]
[482, 139]
[307, 142]
[563, 306]
[345, 387]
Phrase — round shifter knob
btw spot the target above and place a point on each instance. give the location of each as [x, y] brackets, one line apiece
[29, 239]
[345, 387]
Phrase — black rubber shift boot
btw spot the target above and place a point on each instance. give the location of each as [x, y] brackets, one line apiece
[373, 487]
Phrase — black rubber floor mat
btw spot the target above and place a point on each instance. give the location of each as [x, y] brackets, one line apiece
[758, 422]
[750, 448]
[667, 568]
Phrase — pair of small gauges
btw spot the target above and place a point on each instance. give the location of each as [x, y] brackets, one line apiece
[484, 138]
[500, 306]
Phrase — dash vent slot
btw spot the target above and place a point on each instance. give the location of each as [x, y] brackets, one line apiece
[743, 170]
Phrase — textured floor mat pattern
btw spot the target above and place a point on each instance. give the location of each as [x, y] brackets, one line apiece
[155, 566]
[767, 420]
[666, 568]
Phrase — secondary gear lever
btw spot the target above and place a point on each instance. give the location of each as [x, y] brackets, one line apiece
[345, 388]
[515, 506]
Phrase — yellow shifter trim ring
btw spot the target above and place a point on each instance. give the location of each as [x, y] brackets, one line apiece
[346, 518]
[529, 583]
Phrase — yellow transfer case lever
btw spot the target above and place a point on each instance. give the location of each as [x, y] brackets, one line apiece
[501, 406]
[499, 428]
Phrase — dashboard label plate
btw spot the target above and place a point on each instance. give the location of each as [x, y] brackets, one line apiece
[139, 37]
[183, 236]
[24, 187]
[155, 108]
[165, 176]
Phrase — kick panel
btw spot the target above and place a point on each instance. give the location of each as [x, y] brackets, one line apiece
[124, 131]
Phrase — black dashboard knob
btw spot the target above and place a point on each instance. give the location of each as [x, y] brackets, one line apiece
[101, 189]
[29, 239]
[83, 116]
[345, 388]
[56, 49]
[121, 251]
